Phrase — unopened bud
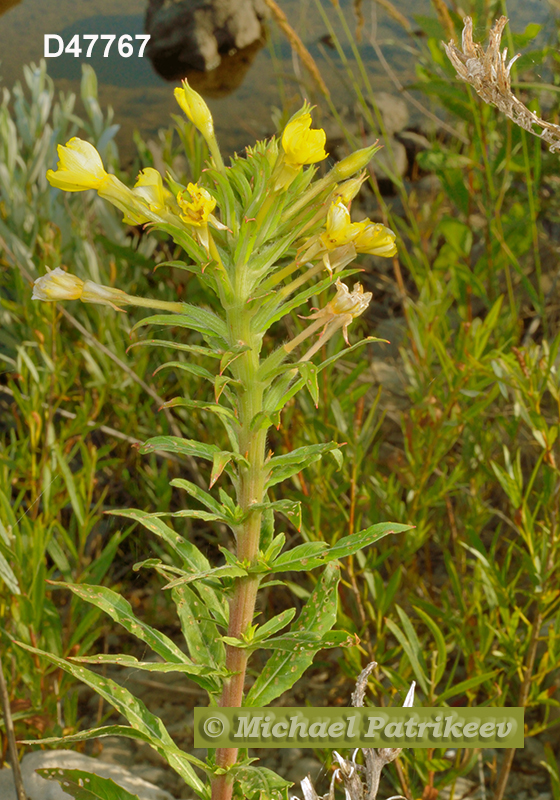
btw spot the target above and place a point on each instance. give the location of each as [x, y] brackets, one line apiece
[195, 109]
[354, 163]
[348, 190]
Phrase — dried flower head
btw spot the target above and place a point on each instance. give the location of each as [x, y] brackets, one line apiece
[488, 72]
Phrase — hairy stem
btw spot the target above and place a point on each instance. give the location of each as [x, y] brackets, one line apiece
[251, 491]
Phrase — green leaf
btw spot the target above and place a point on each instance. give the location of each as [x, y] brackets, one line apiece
[260, 783]
[188, 348]
[309, 372]
[194, 369]
[285, 667]
[7, 575]
[193, 318]
[412, 650]
[440, 643]
[349, 545]
[226, 571]
[464, 686]
[136, 713]
[85, 785]
[189, 554]
[114, 730]
[200, 631]
[289, 464]
[197, 669]
[203, 497]
[120, 610]
[174, 444]
[275, 624]
[215, 408]
[290, 508]
[302, 558]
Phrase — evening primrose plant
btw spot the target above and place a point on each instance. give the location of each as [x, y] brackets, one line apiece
[264, 236]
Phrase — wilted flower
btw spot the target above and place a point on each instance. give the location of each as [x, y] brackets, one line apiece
[338, 313]
[60, 285]
[301, 144]
[57, 285]
[79, 167]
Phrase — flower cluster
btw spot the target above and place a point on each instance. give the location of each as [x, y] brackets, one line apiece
[191, 208]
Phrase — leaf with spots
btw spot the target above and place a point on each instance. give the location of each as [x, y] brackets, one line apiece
[260, 783]
[120, 610]
[200, 631]
[289, 464]
[205, 675]
[188, 553]
[286, 666]
[85, 785]
[137, 715]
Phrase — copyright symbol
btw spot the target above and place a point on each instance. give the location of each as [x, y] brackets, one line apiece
[214, 726]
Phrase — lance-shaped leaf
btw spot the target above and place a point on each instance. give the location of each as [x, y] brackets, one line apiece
[297, 642]
[302, 558]
[193, 369]
[204, 497]
[285, 667]
[215, 408]
[83, 785]
[120, 610]
[349, 545]
[193, 318]
[187, 348]
[289, 464]
[116, 730]
[189, 554]
[135, 712]
[260, 782]
[226, 571]
[290, 508]
[200, 631]
[206, 674]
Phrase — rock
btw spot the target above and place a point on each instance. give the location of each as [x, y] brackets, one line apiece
[394, 111]
[38, 788]
[303, 767]
[463, 788]
[194, 33]
[391, 159]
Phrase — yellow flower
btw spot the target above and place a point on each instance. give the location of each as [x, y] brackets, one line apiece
[377, 240]
[194, 107]
[79, 167]
[149, 187]
[198, 209]
[340, 230]
[301, 144]
[57, 285]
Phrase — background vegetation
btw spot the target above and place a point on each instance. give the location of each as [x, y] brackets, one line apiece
[453, 427]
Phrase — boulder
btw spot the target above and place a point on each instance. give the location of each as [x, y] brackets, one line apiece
[193, 34]
[38, 788]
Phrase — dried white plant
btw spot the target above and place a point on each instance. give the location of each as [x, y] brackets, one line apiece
[488, 72]
[348, 772]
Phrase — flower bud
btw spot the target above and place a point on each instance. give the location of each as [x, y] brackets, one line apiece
[348, 190]
[195, 109]
[353, 163]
